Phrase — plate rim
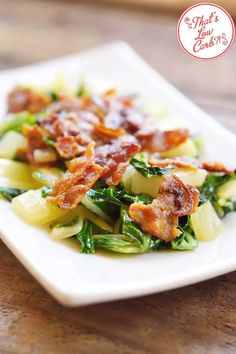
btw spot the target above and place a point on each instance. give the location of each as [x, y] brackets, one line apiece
[74, 299]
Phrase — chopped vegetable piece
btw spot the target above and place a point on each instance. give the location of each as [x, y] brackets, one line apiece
[132, 230]
[10, 193]
[205, 222]
[85, 238]
[35, 209]
[184, 242]
[90, 205]
[67, 229]
[47, 176]
[17, 183]
[45, 191]
[15, 169]
[147, 170]
[10, 144]
[116, 243]
[16, 121]
[227, 190]
[188, 148]
[81, 211]
[136, 183]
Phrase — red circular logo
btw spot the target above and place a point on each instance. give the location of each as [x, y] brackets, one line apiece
[205, 31]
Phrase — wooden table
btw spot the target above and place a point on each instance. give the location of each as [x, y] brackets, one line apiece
[193, 320]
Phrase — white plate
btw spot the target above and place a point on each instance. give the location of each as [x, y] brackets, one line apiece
[78, 279]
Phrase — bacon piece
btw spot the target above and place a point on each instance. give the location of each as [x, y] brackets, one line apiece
[79, 125]
[70, 189]
[217, 166]
[175, 162]
[159, 141]
[79, 178]
[24, 99]
[68, 147]
[104, 132]
[115, 112]
[128, 100]
[160, 218]
[79, 162]
[114, 158]
[35, 141]
[113, 120]
[66, 104]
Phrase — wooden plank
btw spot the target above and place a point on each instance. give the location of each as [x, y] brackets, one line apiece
[169, 5]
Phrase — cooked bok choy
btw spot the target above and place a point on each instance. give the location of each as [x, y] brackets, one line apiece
[101, 170]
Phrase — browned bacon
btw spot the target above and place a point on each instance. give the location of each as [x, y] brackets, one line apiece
[160, 218]
[35, 140]
[104, 132]
[217, 167]
[160, 141]
[79, 178]
[70, 124]
[176, 162]
[65, 104]
[114, 158]
[25, 99]
[68, 147]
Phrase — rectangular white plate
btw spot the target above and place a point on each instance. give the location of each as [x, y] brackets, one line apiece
[78, 279]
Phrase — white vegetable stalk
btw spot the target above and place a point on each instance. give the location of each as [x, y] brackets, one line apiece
[44, 156]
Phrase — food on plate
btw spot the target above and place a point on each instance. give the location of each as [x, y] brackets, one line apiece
[100, 169]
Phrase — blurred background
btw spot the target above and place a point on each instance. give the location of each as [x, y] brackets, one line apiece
[35, 30]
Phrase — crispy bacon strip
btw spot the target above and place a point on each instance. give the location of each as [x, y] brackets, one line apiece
[68, 147]
[160, 218]
[175, 162]
[70, 189]
[70, 124]
[35, 141]
[105, 132]
[218, 167]
[159, 141]
[65, 104]
[79, 178]
[25, 99]
[114, 159]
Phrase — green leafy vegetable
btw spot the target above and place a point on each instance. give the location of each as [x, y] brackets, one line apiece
[45, 191]
[117, 195]
[105, 201]
[82, 90]
[224, 207]
[49, 141]
[208, 191]
[97, 229]
[147, 170]
[116, 243]
[85, 238]
[16, 121]
[54, 96]
[128, 198]
[187, 240]
[72, 222]
[184, 242]
[10, 193]
[131, 229]
[157, 244]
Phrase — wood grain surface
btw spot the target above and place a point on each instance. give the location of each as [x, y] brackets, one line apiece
[199, 319]
[170, 5]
